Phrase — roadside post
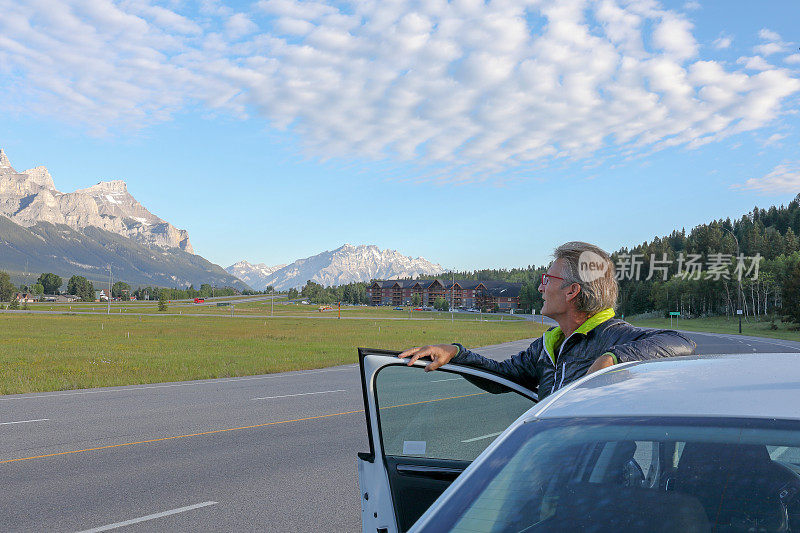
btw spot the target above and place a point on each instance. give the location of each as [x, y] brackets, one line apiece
[675, 314]
[739, 312]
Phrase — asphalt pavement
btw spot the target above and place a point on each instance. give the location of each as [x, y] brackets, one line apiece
[268, 453]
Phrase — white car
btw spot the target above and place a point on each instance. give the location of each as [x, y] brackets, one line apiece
[706, 443]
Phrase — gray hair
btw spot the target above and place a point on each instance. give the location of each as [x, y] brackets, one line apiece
[592, 269]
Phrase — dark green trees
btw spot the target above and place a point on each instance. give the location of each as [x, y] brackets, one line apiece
[50, 282]
[81, 287]
[791, 296]
[120, 290]
[7, 289]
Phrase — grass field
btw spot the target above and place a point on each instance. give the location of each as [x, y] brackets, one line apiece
[724, 325]
[59, 352]
[263, 308]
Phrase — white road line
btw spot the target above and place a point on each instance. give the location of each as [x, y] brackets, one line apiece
[24, 421]
[170, 385]
[482, 437]
[440, 380]
[301, 394]
[148, 517]
[792, 346]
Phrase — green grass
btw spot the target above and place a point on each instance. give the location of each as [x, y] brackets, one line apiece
[62, 352]
[263, 308]
[724, 325]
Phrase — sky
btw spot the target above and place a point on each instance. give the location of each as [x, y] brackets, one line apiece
[475, 134]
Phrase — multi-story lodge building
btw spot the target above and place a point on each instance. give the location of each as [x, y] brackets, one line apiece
[463, 294]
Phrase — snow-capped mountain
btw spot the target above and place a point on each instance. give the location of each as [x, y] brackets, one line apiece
[253, 275]
[343, 265]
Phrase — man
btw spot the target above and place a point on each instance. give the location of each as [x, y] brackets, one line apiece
[579, 292]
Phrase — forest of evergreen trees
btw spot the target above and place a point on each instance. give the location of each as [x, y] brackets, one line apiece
[769, 234]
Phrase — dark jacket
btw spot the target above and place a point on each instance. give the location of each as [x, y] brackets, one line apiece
[538, 368]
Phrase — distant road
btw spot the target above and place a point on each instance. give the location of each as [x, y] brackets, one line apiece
[272, 452]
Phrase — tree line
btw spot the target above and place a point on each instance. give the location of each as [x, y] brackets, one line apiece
[351, 293]
[49, 283]
[163, 293]
[761, 251]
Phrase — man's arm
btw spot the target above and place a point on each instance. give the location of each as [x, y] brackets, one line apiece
[651, 344]
[520, 368]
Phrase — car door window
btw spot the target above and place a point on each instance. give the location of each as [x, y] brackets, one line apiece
[441, 414]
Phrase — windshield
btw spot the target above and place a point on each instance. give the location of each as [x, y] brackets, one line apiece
[625, 474]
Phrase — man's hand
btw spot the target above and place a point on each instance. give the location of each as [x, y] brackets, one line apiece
[600, 363]
[439, 354]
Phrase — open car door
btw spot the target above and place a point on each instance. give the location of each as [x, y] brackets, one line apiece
[424, 429]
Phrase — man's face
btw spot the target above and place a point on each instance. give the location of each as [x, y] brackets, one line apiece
[556, 300]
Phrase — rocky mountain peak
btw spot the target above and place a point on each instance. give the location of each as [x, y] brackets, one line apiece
[342, 265]
[41, 176]
[30, 197]
[106, 187]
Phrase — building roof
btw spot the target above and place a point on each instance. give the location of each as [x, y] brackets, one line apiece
[402, 283]
[738, 385]
[495, 288]
[468, 283]
[502, 289]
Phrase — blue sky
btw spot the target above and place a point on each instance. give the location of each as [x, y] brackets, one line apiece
[475, 134]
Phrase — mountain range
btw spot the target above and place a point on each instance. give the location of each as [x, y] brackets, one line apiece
[45, 230]
[84, 232]
[30, 197]
[346, 264]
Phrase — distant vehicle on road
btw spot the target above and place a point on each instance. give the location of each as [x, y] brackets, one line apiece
[682, 444]
[199, 300]
[398, 308]
[418, 309]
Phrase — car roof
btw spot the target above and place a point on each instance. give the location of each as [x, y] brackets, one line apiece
[740, 385]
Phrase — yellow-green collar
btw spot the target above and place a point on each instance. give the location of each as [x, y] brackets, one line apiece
[554, 337]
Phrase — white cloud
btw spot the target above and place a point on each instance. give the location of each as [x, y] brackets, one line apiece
[767, 49]
[773, 43]
[785, 178]
[793, 59]
[161, 17]
[239, 25]
[692, 5]
[723, 42]
[775, 138]
[754, 63]
[466, 88]
[674, 36]
[769, 35]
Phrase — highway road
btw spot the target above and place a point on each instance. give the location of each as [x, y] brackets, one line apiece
[268, 453]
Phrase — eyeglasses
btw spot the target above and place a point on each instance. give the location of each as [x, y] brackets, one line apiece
[546, 280]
